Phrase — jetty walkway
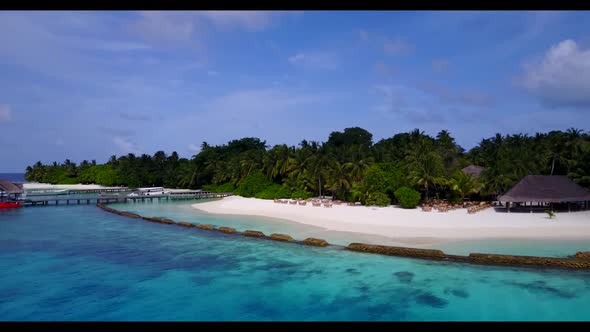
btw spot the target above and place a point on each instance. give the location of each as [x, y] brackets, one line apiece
[105, 199]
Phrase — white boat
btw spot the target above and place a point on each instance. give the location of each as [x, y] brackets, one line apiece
[152, 191]
[46, 192]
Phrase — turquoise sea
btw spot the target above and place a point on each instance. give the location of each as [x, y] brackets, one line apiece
[182, 211]
[78, 263]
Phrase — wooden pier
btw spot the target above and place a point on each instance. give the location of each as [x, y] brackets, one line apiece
[51, 192]
[104, 199]
[98, 191]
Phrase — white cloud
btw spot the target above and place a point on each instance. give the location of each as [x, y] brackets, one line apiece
[297, 58]
[5, 113]
[323, 60]
[396, 47]
[440, 65]
[40, 46]
[212, 73]
[177, 26]
[194, 148]
[562, 77]
[165, 26]
[126, 145]
[252, 20]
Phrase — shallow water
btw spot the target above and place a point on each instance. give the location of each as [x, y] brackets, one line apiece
[81, 263]
[181, 211]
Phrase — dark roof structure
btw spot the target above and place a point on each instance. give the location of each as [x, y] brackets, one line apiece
[10, 187]
[473, 170]
[546, 188]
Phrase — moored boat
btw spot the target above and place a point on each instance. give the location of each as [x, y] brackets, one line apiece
[10, 194]
[10, 205]
[152, 191]
[47, 192]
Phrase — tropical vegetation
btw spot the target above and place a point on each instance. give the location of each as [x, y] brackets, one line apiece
[347, 166]
[408, 198]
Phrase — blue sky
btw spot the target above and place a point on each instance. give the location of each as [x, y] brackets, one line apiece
[87, 85]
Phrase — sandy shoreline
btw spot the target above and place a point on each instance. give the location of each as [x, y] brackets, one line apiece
[397, 223]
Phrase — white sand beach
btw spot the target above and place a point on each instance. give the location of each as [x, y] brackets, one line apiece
[395, 222]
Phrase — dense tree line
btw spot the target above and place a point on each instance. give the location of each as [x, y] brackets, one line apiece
[349, 166]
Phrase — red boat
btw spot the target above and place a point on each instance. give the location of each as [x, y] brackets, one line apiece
[9, 205]
[10, 194]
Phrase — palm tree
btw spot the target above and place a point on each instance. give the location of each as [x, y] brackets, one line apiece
[463, 184]
[269, 162]
[360, 191]
[298, 163]
[247, 166]
[276, 161]
[574, 146]
[317, 165]
[580, 166]
[359, 164]
[218, 169]
[449, 150]
[189, 175]
[495, 182]
[424, 166]
[338, 178]
[555, 150]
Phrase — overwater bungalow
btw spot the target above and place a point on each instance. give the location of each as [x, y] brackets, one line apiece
[543, 190]
[10, 194]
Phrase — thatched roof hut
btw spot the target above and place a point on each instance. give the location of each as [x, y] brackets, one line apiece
[10, 187]
[473, 170]
[546, 189]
